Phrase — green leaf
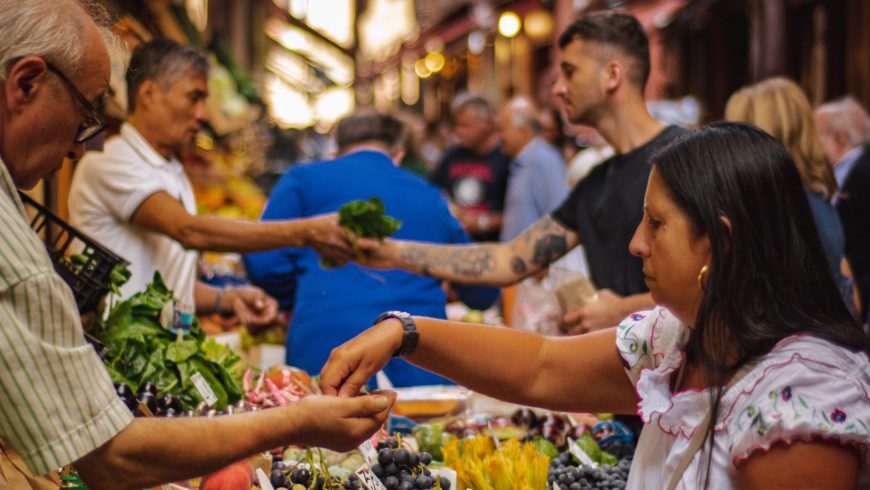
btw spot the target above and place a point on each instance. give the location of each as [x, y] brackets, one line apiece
[179, 352]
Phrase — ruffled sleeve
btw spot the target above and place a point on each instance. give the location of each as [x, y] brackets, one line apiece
[805, 390]
[648, 339]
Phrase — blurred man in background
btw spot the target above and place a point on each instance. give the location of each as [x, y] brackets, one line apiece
[474, 173]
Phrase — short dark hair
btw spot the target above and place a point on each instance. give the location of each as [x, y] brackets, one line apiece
[369, 126]
[768, 276]
[619, 30]
[163, 61]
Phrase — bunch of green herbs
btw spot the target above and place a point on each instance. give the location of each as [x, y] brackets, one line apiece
[140, 350]
[365, 219]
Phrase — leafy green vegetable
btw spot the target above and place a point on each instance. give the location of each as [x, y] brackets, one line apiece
[141, 350]
[365, 219]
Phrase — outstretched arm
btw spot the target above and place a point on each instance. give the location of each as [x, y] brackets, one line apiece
[152, 451]
[496, 264]
[164, 214]
[582, 373]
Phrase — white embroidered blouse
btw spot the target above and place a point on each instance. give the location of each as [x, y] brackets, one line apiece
[804, 389]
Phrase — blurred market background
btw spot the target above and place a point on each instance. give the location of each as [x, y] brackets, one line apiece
[284, 71]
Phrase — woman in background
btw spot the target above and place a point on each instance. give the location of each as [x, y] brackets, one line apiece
[779, 107]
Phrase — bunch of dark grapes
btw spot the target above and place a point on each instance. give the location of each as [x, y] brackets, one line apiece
[400, 468]
[569, 475]
[161, 406]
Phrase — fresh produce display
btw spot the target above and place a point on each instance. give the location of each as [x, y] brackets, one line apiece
[277, 387]
[481, 465]
[141, 351]
[401, 468]
[566, 473]
[320, 469]
[365, 219]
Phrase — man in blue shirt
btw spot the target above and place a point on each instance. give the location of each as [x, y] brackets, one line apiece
[330, 306]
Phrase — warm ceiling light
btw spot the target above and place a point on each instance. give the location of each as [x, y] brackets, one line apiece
[509, 24]
[434, 61]
[421, 69]
[538, 25]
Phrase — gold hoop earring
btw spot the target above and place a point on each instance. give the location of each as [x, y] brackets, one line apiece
[702, 278]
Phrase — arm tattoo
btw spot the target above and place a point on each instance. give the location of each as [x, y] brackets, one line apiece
[470, 262]
[549, 248]
[518, 266]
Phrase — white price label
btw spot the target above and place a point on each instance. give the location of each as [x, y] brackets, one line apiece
[204, 389]
[580, 454]
[368, 479]
[368, 451]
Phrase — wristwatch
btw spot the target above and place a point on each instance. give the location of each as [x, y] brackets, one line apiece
[410, 336]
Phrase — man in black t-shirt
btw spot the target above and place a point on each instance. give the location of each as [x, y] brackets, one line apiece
[604, 68]
[474, 173]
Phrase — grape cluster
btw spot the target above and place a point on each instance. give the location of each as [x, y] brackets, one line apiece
[161, 406]
[400, 468]
[302, 478]
[565, 472]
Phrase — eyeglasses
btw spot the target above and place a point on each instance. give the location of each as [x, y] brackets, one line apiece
[94, 123]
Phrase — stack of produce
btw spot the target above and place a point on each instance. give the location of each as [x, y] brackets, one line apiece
[140, 350]
[480, 465]
[279, 386]
[568, 474]
[401, 468]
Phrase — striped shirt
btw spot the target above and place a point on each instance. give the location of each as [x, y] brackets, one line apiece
[57, 402]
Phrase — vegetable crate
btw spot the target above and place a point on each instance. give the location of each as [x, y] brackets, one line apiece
[85, 265]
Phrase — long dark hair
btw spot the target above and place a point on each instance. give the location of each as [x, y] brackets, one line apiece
[768, 277]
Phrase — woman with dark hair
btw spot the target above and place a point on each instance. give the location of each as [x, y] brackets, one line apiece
[750, 372]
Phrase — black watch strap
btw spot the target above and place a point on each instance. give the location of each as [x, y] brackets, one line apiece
[410, 336]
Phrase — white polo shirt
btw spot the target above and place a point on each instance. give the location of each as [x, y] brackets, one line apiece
[107, 189]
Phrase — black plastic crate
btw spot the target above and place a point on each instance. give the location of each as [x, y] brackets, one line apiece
[88, 279]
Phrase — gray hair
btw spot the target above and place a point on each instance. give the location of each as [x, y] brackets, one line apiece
[163, 61]
[524, 114]
[44, 28]
[468, 101]
[847, 115]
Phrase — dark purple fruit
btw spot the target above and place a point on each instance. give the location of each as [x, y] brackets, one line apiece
[385, 456]
[391, 469]
[391, 482]
[445, 483]
[403, 457]
[147, 386]
[405, 485]
[378, 470]
[301, 476]
[425, 458]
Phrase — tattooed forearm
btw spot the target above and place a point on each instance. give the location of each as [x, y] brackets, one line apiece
[518, 266]
[548, 249]
[460, 262]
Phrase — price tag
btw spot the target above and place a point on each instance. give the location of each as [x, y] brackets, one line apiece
[580, 454]
[368, 479]
[368, 451]
[204, 389]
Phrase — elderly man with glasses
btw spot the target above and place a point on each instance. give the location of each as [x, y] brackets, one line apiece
[57, 403]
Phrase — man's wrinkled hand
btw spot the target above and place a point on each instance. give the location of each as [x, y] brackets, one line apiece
[376, 253]
[252, 306]
[330, 239]
[606, 311]
[341, 424]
